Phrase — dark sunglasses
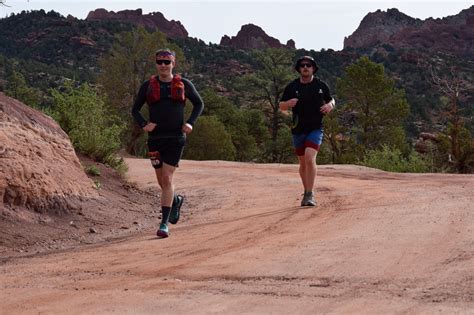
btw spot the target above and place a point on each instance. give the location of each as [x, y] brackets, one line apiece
[163, 61]
[307, 65]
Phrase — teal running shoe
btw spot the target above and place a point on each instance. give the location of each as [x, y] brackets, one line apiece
[176, 209]
[162, 231]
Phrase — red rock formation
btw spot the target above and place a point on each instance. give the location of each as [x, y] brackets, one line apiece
[378, 27]
[82, 41]
[39, 169]
[154, 21]
[425, 141]
[429, 136]
[453, 34]
[291, 44]
[253, 37]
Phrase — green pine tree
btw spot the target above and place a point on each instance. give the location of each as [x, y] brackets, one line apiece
[378, 107]
[209, 141]
[264, 88]
[17, 88]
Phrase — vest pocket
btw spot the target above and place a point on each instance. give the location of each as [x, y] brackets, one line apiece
[177, 91]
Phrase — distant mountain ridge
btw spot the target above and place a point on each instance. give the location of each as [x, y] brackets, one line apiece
[252, 36]
[48, 49]
[154, 21]
[452, 34]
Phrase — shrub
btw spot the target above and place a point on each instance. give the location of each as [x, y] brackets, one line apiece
[92, 170]
[209, 141]
[391, 160]
[93, 130]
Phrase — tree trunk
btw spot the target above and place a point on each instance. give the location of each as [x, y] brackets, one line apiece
[274, 133]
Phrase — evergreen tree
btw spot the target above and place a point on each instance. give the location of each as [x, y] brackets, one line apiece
[281, 150]
[209, 141]
[339, 147]
[17, 88]
[264, 88]
[378, 107]
[456, 142]
[247, 132]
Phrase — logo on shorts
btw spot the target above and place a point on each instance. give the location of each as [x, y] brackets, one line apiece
[154, 158]
[320, 91]
[155, 162]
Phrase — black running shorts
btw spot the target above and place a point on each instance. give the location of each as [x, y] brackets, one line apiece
[166, 150]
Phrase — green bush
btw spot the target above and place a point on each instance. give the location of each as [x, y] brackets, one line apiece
[92, 170]
[93, 130]
[281, 150]
[246, 127]
[209, 141]
[391, 160]
[17, 88]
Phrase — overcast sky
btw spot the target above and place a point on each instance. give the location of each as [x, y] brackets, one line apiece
[311, 24]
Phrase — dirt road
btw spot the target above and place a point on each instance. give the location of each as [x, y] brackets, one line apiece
[376, 243]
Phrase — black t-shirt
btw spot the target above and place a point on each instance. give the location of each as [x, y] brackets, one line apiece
[167, 114]
[311, 96]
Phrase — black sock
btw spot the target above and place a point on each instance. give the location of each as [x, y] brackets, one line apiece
[165, 214]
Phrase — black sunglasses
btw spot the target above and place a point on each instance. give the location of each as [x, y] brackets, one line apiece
[307, 65]
[163, 61]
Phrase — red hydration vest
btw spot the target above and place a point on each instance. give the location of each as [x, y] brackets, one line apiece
[177, 90]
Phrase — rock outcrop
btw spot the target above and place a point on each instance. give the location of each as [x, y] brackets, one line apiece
[452, 34]
[154, 21]
[252, 36]
[39, 169]
[82, 41]
[424, 141]
[378, 27]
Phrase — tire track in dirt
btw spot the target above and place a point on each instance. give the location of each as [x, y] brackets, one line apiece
[376, 241]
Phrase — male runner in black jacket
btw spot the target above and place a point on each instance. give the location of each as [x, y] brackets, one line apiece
[166, 96]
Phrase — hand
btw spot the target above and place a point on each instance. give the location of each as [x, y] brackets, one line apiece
[292, 103]
[326, 108]
[149, 127]
[187, 128]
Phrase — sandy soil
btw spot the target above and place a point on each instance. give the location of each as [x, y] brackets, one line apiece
[377, 243]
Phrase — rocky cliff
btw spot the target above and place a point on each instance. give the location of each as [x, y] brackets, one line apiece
[154, 21]
[253, 37]
[452, 34]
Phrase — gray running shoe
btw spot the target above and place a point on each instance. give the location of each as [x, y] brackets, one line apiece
[304, 200]
[308, 199]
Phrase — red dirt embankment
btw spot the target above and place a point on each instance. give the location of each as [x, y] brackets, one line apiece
[47, 202]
